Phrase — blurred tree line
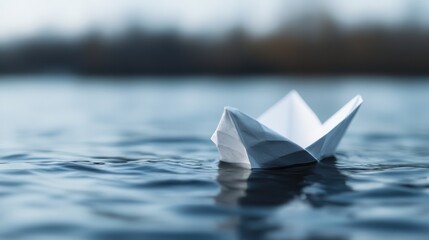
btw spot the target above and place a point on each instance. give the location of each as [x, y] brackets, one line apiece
[326, 49]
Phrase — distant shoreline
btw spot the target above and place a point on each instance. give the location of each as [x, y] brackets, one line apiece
[214, 77]
[367, 51]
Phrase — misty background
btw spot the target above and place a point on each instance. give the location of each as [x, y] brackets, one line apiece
[135, 37]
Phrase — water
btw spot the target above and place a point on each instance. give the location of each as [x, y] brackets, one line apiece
[103, 160]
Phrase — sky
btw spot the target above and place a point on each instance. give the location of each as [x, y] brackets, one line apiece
[21, 19]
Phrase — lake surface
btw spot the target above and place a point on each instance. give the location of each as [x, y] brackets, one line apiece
[91, 159]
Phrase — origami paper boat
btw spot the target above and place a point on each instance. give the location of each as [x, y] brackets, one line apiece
[288, 133]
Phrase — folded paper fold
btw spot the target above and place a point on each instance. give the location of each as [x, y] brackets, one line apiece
[288, 133]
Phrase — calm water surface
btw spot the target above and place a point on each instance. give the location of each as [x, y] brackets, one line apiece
[102, 160]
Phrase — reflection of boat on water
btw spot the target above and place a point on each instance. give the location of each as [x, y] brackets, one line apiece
[266, 190]
[244, 187]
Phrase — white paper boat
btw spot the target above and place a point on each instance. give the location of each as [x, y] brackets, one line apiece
[288, 133]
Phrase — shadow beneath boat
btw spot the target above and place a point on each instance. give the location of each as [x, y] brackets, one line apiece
[258, 194]
[311, 183]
